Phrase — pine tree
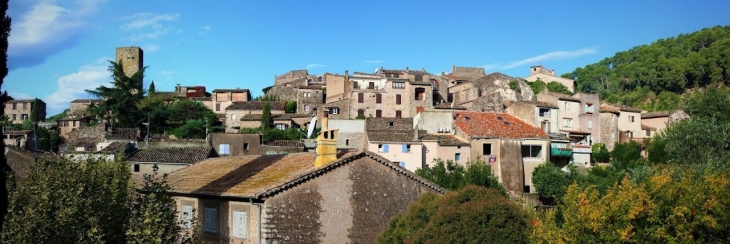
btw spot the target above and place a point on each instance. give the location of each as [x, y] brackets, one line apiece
[152, 88]
[4, 33]
[119, 100]
[34, 111]
[266, 121]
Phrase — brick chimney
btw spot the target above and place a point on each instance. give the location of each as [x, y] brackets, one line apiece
[326, 143]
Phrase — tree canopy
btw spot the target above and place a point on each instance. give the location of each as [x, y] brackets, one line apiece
[452, 176]
[119, 99]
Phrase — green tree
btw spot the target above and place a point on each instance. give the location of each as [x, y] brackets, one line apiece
[119, 100]
[267, 122]
[537, 86]
[555, 86]
[291, 107]
[626, 155]
[58, 116]
[151, 90]
[34, 112]
[599, 153]
[452, 176]
[551, 182]
[4, 33]
[473, 214]
[713, 103]
[692, 141]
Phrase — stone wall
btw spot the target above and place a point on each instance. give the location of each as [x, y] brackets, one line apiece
[609, 130]
[95, 133]
[80, 107]
[309, 99]
[342, 105]
[511, 165]
[489, 103]
[290, 76]
[237, 144]
[524, 111]
[287, 91]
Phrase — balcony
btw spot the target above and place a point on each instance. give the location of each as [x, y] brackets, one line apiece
[561, 152]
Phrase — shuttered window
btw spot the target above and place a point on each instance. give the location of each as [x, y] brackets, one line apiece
[397, 99]
[240, 227]
[211, 220]
[360, 97]
[378, 113]
[378, 98]
[397, 114]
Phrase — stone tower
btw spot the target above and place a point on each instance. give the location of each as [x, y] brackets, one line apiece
[132, 59]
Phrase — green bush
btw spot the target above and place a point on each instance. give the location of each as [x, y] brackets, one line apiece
[452, 176]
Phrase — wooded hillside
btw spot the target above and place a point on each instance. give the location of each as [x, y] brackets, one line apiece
[654, 76]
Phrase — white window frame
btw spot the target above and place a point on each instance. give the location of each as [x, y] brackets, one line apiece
[224, 149]
[233, 116]
[306, 108]
[239, 224]
[280, 126]
[211, 220]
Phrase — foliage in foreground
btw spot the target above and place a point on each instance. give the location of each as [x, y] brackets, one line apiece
[473, 214]
[452, 176]
[552, 182]
[673, 204]
[89, 202]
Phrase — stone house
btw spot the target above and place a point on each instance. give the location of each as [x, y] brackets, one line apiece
[609, 126]
[660, 119]
[540, 73]
[338, 87]
[19, 160]
[351, 133]
[300, 198]
[25, 139]
[467, 92]
[629, 122]
[571, 109]
[396, 140]
[436, 129]
[512, 147]
[72, 122]
[310, 99]
[237, 110]
[79, 106]
[281, 121]
[223, 98]
[20, 110]
[167, 160]
[236, 144]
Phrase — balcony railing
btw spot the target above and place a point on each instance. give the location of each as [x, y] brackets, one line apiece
[561, 152]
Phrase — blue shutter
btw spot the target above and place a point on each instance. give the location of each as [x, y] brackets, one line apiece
[403, 164]
[385, 148]
[405, 148]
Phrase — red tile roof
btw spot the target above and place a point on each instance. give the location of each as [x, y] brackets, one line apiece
[608, 109]
[495, 125]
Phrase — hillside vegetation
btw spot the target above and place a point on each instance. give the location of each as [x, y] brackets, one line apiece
[655, 76]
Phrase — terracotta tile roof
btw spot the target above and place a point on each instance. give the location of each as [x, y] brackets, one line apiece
[284, 143]
[563, 96]
[448, 106]
[657, 114]
[86, 101]
[229, 90]
[495, 125]
[255, 117]
[545, 105]
[180, 155]
[608, 109]
[446, 140]
[256, 105]
[266, 175]
[123, 134]
[624, 107]
[646, 127]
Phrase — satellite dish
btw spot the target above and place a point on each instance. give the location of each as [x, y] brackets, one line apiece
[310, 128]
[376, 71]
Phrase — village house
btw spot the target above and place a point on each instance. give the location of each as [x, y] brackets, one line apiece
[20, 110]
[310, 99]
[19, 161]
[659, 120]
[229, 145]
[25, 139]
[436, 135]
[238, 110]
[80, 106]
[512, 147]
[609, 126]
[72, 122]
[396, 140]
[579, 135]
[325, 197]
[540, 73]
[166, 159]
[629, 123]
[351, 133]
[223, 98]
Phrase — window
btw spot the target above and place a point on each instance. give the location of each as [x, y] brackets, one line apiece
[347, 142]
[419, 78]
[240, 224]
[360, 97]
[613, 118]
[531, 151]
[371, 85]
[25, 105]
[545, 125]
[233, 116]
[211, 220]
[245, 146]
[280, 126]
[378, 113]
[15, 117]
[565, 105]
[24, 116]
[74, 124]
[406, 148]
[378, 98]
[457, 157]
[334, 110]
[186, 216]
[631, 118]
[420, 93]
[136, 167]
[544, 112]
[397, 99]
[217, 107]
[568, 123]
[399, 85]
[589, 108]
[15, 106]
[306, 108]
[397, 114]
[402, 164]
[648, 133]
[383, 148]
[613, 135]
[360, 113]
[487, 149]
[590, 124]
[223, 149]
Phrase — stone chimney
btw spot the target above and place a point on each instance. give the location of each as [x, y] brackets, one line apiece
[326, 143]
[406, 68]
[346, 73]
[453, 67]
[553, 71]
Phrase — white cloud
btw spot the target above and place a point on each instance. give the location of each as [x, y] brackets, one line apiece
[47, 28]
[204, 29]
[558, 55]
[490, 66]
[150, 48]
[143, 26]
[373, 61]
[315, 66]
[74, 86]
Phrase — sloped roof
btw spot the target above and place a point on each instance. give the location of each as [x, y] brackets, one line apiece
[21, 165]
[545, 105]
[180, 155]
[388, 124]
[448, 106]
[646, 127]
[495, 125]
[255, 117]
[86, 101]
[230, 90]
[624, 107]
[17, 132]
[608, 109]
[285, 143]
[445, 140]
[563, 96]
[391, 136]
[256, 105]
[657, 114]
[114, 147]
[123, 134]
[266, 175]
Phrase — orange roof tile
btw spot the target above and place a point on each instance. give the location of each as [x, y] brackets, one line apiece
[495, 125]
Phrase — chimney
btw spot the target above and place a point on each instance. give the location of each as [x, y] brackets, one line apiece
[406, 68]
[453, 67]
[415, 134]
[443, 73]
[553, 72]
[326, 144]
[345, 72]
[423, 69]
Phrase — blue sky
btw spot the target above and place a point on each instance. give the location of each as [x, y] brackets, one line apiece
[59, 48]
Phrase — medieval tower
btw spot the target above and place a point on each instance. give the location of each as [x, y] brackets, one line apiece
[132, 59]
